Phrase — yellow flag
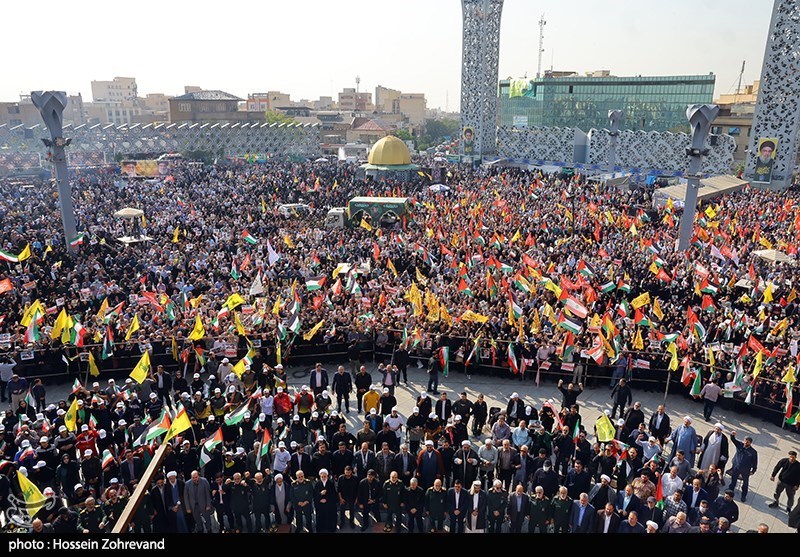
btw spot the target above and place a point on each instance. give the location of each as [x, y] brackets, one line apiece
[657, 310]
[789, 376]
[47, 250]
[421, 278]
[233, 301]
[103, 308]
[516, 236]
[195, 302]
[473, 317]
[640, 300]
[278, 351]
[180, 424]
[763, 241]
[632, 230]
[33, 309]
[605, 429]
[444, 315]
[139, 373]
[339, 268]
[759, 364]
[711, 361]
[391, 267]
[263, 206]
[239, 326]
[175, 349]
[288, 241]
[768, 293]
[71, 417]
[276, 307]
[365, 225]
[66, 331]
[536, 323]
[134, 326]
[792, 295]
[673, 363]
[710, 212]
[175, 235]
[198, 332]
[638, 343]
[313, 331]
[24, 254]
[34, 500]
[59, 325]
[93, 369]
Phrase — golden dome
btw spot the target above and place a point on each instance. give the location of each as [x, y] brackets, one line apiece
[389, 151]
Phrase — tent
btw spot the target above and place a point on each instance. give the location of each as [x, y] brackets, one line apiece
[129, 213]
[774, 256]
[709, 189]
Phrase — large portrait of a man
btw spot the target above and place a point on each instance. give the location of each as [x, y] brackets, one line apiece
[767, 148]
[468, 139]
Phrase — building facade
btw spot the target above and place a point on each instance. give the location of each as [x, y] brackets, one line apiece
[115, 101]
[23, 113]
[736, 112]
[656, 103]
[261, 102]
[353, 101]
[210, 106]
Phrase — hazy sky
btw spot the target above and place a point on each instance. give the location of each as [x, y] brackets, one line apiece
[309, 48]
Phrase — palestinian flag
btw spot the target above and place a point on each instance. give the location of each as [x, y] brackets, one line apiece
[315, 284]
[670, 337]
[159, 427]
[659, 494]
[708, 303]
[515, 308]
[237, 415]
[247, 237]
[234, 270]
[522, 284]
[584, 269]
[281, 334]
[699, 330]
[208, 447]
[793, 420]
[108, 344]
[263, 451]
[708, 288]
[506, 268]
[294, 324]
[464, 288]
[641, 319]
[473, 353]
[607, 287]
[624, 286]
[512, 359]
[108, 459]
[568, 324]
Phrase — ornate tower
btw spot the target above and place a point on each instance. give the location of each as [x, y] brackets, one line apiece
[777, 115]
[480, 55]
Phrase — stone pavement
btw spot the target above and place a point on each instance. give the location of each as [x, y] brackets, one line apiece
[770, 441]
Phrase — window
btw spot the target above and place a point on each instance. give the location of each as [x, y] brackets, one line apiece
[734, 131]
[184, 107]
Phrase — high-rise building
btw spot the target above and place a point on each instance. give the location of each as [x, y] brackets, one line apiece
[352, 101]
[116, 100]
[736, 113]
[656, 103]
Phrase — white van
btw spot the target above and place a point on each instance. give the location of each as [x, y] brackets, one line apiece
[293, 209]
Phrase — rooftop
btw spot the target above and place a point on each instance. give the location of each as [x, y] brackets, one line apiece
[214, 95]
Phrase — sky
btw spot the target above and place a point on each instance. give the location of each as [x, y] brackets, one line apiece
[313, 48]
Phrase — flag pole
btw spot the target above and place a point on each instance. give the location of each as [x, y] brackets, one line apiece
[666, 390]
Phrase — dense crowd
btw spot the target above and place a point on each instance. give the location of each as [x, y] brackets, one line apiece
[510, 272]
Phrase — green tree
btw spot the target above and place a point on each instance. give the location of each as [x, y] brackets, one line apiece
[404, 135]
[275, 117]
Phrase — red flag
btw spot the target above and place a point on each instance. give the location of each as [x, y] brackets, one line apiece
[754, 345]
[6, 286]
[376, 251]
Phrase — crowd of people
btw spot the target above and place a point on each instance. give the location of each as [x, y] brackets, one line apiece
[511, 272]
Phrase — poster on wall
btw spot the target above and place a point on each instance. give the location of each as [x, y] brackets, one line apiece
[468, 140]
[767, 148]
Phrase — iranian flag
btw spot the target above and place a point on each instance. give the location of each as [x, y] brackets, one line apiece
[158, 428]
[512, 359]
[576, 431]
[473, 352]
[237, 415]
[32, 331]
[793, 420]
[76, 334]
[249, 238]
[697, 386]
[315, 283]
[76, 241]
[208, 447]
[263, 451]
[787, 411]
[76, 386]
[5, 256]
[108, 459]
[444, 359]
[659, 495]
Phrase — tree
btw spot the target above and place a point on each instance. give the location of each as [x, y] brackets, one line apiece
[403, 134]
[275, 117]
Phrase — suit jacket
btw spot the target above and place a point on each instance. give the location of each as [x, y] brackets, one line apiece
[447, 406]
[600, 522]
[138, 470]
[198, 497]
[304, 465]
[525, 509]
[662, 431]
[585, 526]
[656, 515]
[362, 465]
[159, 508]
[411, 465]
[687, 497]
[464, 502]
[312, 381]
[633, 505]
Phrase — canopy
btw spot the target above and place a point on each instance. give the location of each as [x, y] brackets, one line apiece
[439, 187]
[129, 213]
[774, 255]
[709, 189]
[321, 159]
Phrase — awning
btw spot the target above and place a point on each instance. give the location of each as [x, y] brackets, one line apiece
[774, 255]
[709, 189]
[129, 213]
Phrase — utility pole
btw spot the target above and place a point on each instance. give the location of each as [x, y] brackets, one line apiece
[542, 23]
[739, 86]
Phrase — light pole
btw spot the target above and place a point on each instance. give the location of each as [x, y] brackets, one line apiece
[700, 117]
[51, 106]
[615, 117]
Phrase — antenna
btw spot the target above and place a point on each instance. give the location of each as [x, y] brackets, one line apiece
[358, 82]
[542, 23]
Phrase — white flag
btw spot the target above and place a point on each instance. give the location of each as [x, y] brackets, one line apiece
[257, 288]
[273, 255]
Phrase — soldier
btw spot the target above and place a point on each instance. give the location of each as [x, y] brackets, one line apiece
[91, 519]
[496, 504]
[540, 511]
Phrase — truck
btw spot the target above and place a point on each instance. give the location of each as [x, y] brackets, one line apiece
[378, 211]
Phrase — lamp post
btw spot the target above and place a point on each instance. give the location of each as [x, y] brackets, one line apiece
[700, 117]
[51, 106]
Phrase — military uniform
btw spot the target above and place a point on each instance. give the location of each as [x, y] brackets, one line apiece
[392, 498]
[435, 507]
[561, 510]
[91, 520]
[540, 514]
[496, 501]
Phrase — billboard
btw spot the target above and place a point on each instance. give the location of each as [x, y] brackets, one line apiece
[145, 168]
[468, 140]
[765, 157]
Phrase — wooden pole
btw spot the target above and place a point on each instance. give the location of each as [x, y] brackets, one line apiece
[144, 484]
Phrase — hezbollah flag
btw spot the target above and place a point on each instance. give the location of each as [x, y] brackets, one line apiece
[133, 327]
[94, 371]
[139, 373]
[180, 424]
[34, 499]
[605, 429]
[198, 332]
[71, 417]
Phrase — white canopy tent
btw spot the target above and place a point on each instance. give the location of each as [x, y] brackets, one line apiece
[709, 189]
